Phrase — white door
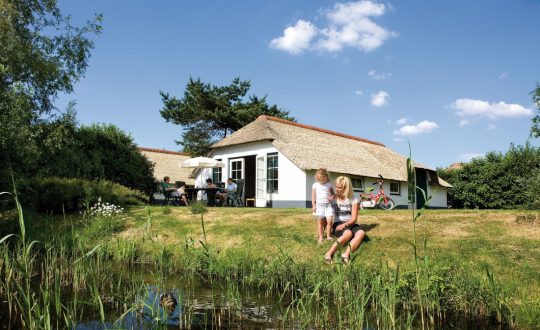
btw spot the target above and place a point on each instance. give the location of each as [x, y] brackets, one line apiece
[261, 182]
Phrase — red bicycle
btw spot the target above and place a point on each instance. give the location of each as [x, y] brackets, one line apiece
[379, 200]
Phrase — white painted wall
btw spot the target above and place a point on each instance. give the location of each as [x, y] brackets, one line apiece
[291, 179]
[295, 184]
[400, 199]
[439, 196]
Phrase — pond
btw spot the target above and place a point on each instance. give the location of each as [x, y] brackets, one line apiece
[199, 304]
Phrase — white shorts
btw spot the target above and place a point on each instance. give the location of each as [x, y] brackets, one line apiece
[324, 210]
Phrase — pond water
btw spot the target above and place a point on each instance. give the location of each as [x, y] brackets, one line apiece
[199, 306]
[204, 306]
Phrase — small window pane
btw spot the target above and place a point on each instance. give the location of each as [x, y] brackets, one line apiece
[216, 175]
[395, 188]
[357, 184]
[272, 172]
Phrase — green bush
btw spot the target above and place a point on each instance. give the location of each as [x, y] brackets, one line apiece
[497, 180]
[52, 194]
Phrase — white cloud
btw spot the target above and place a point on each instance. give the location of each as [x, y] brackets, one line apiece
[379, 76]
[380, 99]
[491, 127]
[350, 24]
[398, 139]
[464, 122]
[402, 121]
[358, 92]
[470, 108]
[420, 128]
[503, 75]
[469, 157]
[296, 39]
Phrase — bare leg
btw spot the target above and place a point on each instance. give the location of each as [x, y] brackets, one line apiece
[221, 198]
[342, 240]
[321, 222]
[329, 224]
[184, 198]
[355, 243]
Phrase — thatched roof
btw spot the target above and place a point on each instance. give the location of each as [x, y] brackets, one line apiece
[311, 148]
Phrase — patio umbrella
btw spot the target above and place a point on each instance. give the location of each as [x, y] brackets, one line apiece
[201, 162]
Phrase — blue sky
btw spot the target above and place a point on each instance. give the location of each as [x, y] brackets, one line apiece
[451, 77]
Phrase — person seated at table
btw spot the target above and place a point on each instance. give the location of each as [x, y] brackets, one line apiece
[229, 189]
[176, 191]
[210, 184]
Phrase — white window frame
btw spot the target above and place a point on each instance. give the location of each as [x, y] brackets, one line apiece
[239, 160]
[398, 192]
[357, 179]
[218, 171]
[268, 156]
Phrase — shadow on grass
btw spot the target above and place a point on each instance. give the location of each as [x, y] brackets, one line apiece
[367, 227]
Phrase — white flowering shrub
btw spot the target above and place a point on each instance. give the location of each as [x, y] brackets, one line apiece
[103, 210]
[103, 219]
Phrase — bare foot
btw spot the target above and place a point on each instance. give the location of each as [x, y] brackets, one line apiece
[327, 259]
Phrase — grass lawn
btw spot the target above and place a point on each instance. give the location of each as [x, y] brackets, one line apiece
[508, 242]
[274, 248]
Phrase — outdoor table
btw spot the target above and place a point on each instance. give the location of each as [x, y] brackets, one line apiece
[210, 193]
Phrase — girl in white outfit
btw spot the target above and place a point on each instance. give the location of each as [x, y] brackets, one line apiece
[322, 195]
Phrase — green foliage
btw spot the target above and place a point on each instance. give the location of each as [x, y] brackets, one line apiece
[209, 113]
[96, 152]
[497, 181]
[535, 129]
[41, 55]
[54, 194]
[106, 152]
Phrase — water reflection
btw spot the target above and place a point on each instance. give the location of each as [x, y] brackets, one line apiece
[197, 306]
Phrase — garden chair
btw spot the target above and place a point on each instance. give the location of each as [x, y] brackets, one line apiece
[235, 198]
[167, 194]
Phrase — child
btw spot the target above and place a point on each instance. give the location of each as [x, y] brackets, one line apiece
[345, 227]
[322, 195]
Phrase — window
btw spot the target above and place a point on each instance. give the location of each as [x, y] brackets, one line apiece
[236, 169]
[395, 188]
[272, 172]
[357, 184]
[216, 174]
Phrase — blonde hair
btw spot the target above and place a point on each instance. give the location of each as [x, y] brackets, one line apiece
[322, 173]
[345, 182]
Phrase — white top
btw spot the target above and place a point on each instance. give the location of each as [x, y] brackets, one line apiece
[343, 209]
[322, 192]
[231, 187]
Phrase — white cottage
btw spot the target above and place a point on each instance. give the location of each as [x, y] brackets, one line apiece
[278, 158]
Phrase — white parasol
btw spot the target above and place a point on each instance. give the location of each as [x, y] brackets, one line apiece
[201, 162]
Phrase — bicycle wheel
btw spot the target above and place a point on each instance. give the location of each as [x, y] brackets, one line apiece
[390, 204]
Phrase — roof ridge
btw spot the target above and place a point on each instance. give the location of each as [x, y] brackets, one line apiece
[163, 151]
[317, 129]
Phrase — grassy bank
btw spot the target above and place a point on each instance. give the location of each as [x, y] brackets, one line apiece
[485, 264]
